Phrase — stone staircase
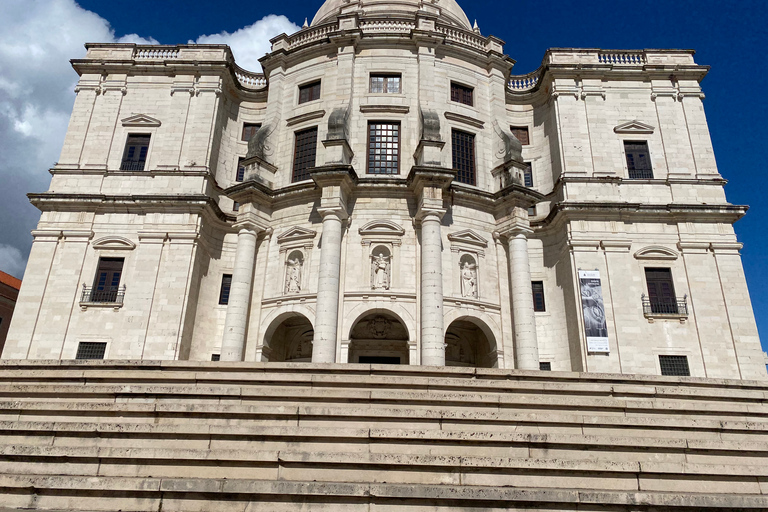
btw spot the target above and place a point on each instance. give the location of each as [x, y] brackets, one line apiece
[184, 436]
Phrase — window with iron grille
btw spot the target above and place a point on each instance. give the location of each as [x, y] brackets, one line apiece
[661, 291]
[545, 366]
[91, 350]
[249, 130]
[106, 285]
[309, 92]
[462, 94]
[538, 296]
[528, 175]
[674, 366]
[215, 357]
[226, 285]
[304, 153]
[387, 84]
[240, 176]
[638, 160]
[135, 154]
[463, 146]
[383, 148]
[521, 134]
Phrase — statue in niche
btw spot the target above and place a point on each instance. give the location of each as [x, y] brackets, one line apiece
[293, 274]
[469, 280]
[380, 271]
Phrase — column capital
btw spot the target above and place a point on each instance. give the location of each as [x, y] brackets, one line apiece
[334, 211]
[513, 231]
[423, 213]
[248, 225]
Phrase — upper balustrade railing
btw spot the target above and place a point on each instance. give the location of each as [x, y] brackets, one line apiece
[524, 83]
[156, 52]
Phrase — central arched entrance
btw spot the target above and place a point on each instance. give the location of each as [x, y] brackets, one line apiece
[468, 345]
[379, 338]
[289, 339]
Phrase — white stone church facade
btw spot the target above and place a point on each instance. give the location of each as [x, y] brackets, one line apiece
[388, 192]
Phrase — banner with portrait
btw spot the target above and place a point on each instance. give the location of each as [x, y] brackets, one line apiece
[593, 310]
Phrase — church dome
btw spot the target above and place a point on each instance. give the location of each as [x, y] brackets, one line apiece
[448, 10]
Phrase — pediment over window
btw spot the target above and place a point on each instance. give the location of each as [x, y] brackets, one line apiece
[382, 227]
[634, 127]
[114, 243]
[656, 252]
[142, 120]
[296, 234]
[468, 237]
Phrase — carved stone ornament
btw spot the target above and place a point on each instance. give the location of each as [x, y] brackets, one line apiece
[293, 269]
[260, 145]
[380, 271]
[379, 327]
[469, 280]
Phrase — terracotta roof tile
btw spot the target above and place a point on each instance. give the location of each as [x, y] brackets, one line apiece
[10, 280]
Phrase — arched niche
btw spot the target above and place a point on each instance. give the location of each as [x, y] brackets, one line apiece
[469, 282]
[379, 337]
[288, 339]
[381, 267]
[470, 343]
[294, 272]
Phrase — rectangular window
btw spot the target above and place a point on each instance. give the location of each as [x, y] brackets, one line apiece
[249, 130]
[215, 357]
[226, 284]
[91, 350]
[135, 154]
[107, 282]
[532, 211]
[521, 134]
[240, 176]
[545, 366]
[309, 92]
[661, 291]
[674, 366]
[304, 153]
[463, 145]
[387, 84]
[538, 296]
[528, 175]
[638, 160]
[462, 94]
[235, 206]
[383, 148]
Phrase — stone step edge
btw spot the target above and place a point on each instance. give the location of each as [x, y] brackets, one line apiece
[327, 491]
[366, 461]
[139, 431]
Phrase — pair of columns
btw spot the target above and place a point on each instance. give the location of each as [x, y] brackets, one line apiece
[432, 328]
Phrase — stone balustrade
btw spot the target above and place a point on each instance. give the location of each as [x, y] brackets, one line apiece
[249, 79]
[524, 83]
[156, 52]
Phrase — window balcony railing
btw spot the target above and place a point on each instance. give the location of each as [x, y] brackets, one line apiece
[676, 307]
[111, 296]
[641, 174]
[132, 165]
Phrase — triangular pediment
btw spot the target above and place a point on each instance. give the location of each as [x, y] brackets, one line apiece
[656, 252]
[468, 237]
[295, 234]
[114, 243]
[382, 227]
[634, 126]
[141, 120]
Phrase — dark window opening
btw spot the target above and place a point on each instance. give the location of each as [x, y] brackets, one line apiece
[528, 175]
[383, 148]
[378, 360]
[387, 84]
[532, 211]
[538, 296]
[240, 176]
[304, 153]
[638, 160]
[309, 92]
[91, 350]
[521, 134]
[661, 291]
[235, 206]
[462, 94]
[226, 284]
[674, 366]
[249, 130]
[135, 155]
[106, 286]
[215, 357]
[463, 145]
[545, 366]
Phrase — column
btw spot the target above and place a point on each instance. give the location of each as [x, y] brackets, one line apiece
[526, 344]
[432, 337]
[239, 295]
[327, 316]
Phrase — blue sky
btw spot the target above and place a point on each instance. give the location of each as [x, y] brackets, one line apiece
[728, 36]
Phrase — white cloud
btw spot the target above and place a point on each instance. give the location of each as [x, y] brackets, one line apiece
[37, 41]
[249, 44]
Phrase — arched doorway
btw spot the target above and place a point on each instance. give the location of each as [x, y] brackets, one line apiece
[379, 338]
[468, 345]
[289, 340]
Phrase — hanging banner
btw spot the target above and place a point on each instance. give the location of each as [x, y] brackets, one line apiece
[594, 311]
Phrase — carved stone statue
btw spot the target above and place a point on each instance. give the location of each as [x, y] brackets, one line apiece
[380, 272]
[469, 280]
[293, 275]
